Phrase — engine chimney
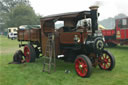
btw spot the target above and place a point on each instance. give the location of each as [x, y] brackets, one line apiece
[94, 17]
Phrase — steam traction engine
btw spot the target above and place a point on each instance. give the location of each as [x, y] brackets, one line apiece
[78, 39]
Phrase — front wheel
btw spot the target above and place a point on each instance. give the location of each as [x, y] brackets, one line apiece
[106, 61]
[83, 66]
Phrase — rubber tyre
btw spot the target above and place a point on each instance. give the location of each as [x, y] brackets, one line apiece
[108, 60]
[29, 53]
[84, 61]
[18, 56]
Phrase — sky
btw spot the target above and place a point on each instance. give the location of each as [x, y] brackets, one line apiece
[107, 8]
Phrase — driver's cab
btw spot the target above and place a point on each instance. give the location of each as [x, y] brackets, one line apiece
[69, 30]
[68, 26]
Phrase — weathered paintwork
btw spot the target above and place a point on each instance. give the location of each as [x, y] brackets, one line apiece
[61, 36]
[29, 35]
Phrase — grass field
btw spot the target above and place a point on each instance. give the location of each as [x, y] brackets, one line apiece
[31, 73]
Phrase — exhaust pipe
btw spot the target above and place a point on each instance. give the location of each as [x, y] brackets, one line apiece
[94, 17]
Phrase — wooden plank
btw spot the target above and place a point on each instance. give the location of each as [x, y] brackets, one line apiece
[29, 35]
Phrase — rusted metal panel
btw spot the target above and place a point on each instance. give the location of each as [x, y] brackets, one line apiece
[21, 35]
[57, 43]
[38, 35]
[44, 39]
[68, 38]
[35, 35]
[46, 28]
[29, 35]
[32, 34]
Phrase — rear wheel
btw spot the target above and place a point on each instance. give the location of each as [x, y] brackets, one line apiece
[106, 61]
[29, 53]
[83, 66]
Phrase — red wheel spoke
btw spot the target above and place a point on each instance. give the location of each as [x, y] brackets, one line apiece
[84, 66]
[79, 62]
[107, 65]
[85, 69]
[105, 56]
[77, 66]
[104, 66]
[82, 70]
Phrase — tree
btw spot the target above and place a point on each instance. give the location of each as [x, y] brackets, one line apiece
[16, 13]
[22, 14]
[7, 5]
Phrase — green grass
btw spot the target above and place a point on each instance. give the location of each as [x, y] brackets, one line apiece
[31, 73]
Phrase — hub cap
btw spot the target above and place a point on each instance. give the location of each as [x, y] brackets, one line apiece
[99, 44]
[27, 54]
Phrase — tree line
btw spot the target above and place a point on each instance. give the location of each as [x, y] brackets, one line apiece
[14, 13]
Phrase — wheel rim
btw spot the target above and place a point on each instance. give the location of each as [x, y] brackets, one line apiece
[27, 54]
[81, 67]
[105, 61]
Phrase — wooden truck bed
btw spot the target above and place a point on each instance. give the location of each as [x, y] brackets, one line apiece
[29, 35]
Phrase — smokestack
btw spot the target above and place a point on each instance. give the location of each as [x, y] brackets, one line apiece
[94, 7]
[94, 17]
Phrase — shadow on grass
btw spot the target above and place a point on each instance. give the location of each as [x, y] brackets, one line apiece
[60, 64]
